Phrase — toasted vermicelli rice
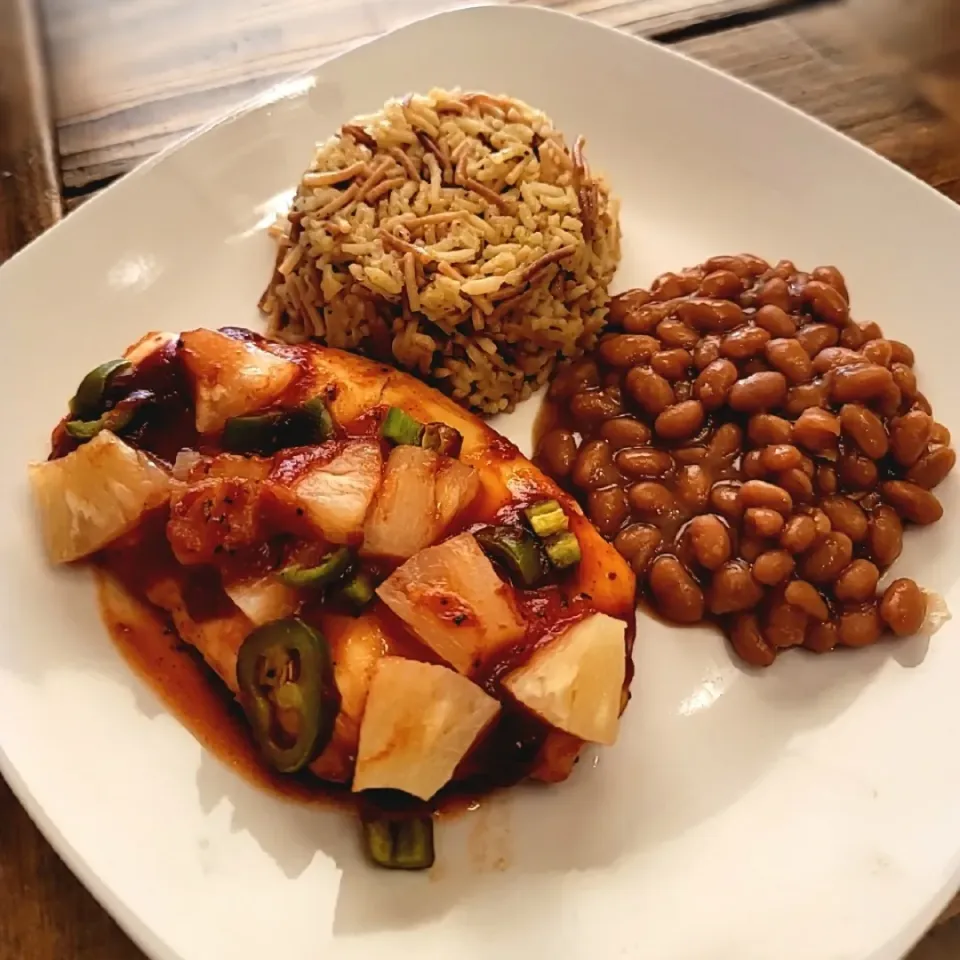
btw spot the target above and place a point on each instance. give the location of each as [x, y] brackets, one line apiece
[454, 234]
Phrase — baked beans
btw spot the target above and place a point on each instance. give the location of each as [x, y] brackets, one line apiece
[754, 453]
[903, 607]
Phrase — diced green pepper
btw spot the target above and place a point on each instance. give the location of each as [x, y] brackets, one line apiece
[335, 566]
[87, 403]
[400, 428]
[443, 439]
[546, 518]
[117, 419]
[357, 592]
[266, 433]
[518, 550]
[287, 691]
[563, 549]
[251, 434]
[322, 419]
[400, 844]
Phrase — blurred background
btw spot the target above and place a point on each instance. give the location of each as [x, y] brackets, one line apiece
[920, 38]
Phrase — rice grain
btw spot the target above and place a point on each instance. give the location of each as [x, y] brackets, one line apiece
[454, 234]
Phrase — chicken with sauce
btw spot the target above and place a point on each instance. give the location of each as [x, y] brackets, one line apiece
[398, 600]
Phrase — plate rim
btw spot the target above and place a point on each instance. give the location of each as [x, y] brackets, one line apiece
[141, 933]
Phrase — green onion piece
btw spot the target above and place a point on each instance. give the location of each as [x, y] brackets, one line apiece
[400, 844]
[400, 428]
[546, 518]
[563, 549]
[266, 433]
[87, 402]
[443, 439]
[518, 550]
[116, 419]
[333, 567]
[357, 591]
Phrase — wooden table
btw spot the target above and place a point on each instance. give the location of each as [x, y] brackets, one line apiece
[88, 88]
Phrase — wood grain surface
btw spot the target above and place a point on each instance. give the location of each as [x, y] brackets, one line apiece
[46, 913]
[128, 78]
[29, 179]
[817, 60]
[123, 90]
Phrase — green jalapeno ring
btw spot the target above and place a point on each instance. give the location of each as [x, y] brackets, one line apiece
[405, 844]
[320, 416]
[116, 419]
[334, 566]
[87, 402]
[266, 433]
[284, 674]
[357, 592]
[517, 549]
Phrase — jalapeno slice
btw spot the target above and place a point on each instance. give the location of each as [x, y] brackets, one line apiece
[116, 419]
[518, 550]
[334, 566]
[400, 844]
[287, 691]
[87, 403]
[266, 433]
[358, 591]
[320, 417]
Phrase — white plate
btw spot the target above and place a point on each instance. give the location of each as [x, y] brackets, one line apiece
[812, 811]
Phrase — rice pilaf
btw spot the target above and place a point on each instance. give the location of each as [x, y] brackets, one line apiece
[454, 234]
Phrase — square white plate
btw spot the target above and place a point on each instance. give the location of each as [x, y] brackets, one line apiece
[811, 811]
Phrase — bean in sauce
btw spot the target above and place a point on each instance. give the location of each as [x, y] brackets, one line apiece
[755, 453]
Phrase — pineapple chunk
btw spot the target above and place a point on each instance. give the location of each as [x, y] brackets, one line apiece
[453, 600]
[331, 495]
[357, 644]
[575, 681]
[229, 465]
[421, 495]
[420, 722]
[94, 495]
[231, 378]
[263, 599]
